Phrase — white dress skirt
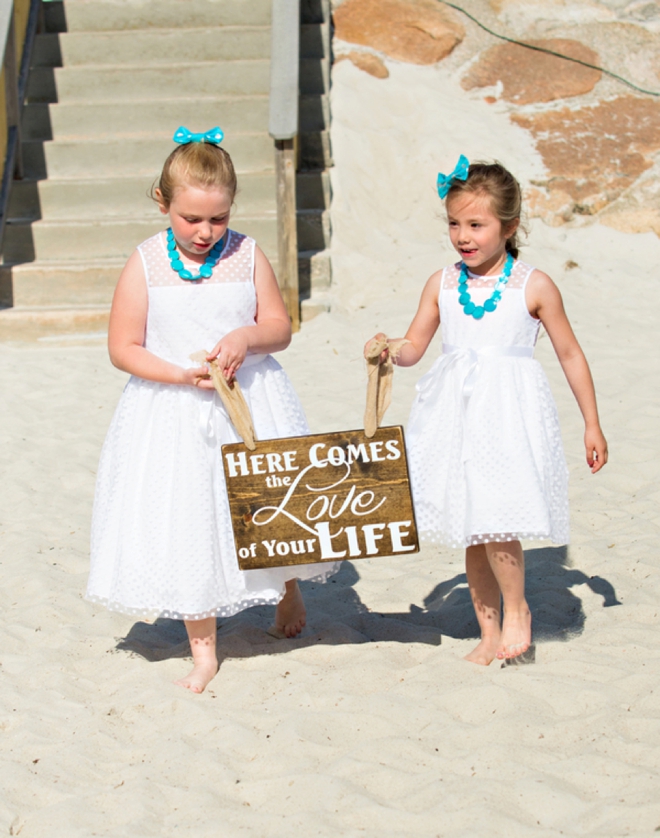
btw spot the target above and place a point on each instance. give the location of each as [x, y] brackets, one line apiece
[484, 444]
[162, 541]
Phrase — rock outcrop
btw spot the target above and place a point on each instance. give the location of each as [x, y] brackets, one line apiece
[366, 61]
[416, 31]
[592, 154]
[598, 140]
[600, 154]
[637, 210]
[530, 76]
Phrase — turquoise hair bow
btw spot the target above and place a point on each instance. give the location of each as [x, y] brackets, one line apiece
[183, 136]
[460, 173]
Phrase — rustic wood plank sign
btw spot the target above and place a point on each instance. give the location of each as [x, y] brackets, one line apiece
[320, 498]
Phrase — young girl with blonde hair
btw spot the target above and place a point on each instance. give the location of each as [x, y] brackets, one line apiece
[162, 542]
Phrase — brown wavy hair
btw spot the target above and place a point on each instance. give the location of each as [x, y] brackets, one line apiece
[493, 180]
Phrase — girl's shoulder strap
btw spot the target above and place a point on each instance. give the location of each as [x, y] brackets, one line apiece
[520, 273]
[449, 278]
[237, 262]
[150, 251]
[523, 271]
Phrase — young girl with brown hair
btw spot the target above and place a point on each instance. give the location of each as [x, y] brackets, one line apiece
[486, 460]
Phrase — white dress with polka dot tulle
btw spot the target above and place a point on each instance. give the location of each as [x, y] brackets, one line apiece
[484, 446]
[162, 541]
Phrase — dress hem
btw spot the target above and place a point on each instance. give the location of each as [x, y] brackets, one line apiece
[229, 610]
[431, 537]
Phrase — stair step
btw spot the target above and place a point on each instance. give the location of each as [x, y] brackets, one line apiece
[102, 15]
[106, 239]
[132, 119]
[314, 272]
[132, 157]
[66, 282]
[60, 284]
[314, 113]
[312, 190]
[314, 76]
[313, 228]
[153, 46]
[124, 84]
[37, 324]
[314, 11]
[122, 196]
[66, 120]
[315, 40]
[315, 151]
[318, 304]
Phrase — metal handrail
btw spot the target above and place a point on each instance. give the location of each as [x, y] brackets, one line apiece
[283, 128]
[15, 91]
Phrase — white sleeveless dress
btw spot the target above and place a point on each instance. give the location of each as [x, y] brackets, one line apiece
[484, 445]
[161, 541]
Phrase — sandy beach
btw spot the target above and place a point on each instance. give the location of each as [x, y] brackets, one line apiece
[370, 723]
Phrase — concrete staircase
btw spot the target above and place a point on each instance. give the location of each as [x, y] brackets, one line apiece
[313, 181]
[111, 81]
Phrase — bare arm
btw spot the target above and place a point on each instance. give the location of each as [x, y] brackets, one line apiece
[544, 301]
[423, 327]
[128, 320]
[272, 330]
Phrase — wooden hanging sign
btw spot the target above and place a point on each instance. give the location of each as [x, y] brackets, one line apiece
[320, 498]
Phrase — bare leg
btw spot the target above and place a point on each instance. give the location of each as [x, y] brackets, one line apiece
[290, 614]
[485, 593]
[201, 634]
[508, 565]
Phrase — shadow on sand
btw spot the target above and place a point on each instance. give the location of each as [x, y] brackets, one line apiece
[557, 612]
[338, 616]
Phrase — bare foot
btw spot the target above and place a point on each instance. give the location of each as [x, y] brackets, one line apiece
[201, 634]
[516, 633]
[485, 652]
[290, 614]
[199, 676]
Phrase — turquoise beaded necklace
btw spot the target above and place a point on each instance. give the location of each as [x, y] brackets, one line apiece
[205, 271]
[490, 304]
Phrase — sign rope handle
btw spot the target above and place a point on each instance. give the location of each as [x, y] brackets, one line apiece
[379, 382]
[232, 398]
